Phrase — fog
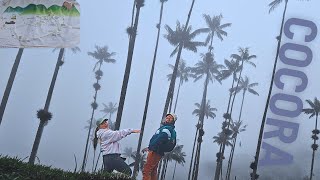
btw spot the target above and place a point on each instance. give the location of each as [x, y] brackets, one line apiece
[104, 23]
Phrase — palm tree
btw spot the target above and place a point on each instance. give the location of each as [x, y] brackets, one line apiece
[236, 128]
[184, 73]
[109, 110]
[94, 124]
[314, 110]
[180, 38]
[210, 69]
[135, 169]
[243, 56]
[254, 165]
[43, 114]
[220, 139]
[232, 68]
[214, 28]
[141, 161]
[245, 86]
[102, 55]
[208, 112]
[176, 155]
[10, 83]
[139, 5]
[128, 153]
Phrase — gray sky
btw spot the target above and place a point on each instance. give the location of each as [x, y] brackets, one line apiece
[104, 23]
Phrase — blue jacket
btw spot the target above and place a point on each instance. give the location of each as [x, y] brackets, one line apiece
[164, 140]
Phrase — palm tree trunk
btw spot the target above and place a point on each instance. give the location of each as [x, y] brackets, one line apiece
[174, 170]
[132, 15]
[229, 161]
[163, 169]
[230, 96]
[194, 144]
[94, 158]
[229, 101]
[136, 166]
[244, 93]
[219, 164]
[127, 70]
[10, 83]
[171, 100]
[234, 95]
[175, 104]
[201, 118]
[83, 166]
[256, 158]
[46, 108]
[314, 150]
[196, 163]
[211, 47]
[175, 69]
[95, 168]
[233, 149]
[159, 168]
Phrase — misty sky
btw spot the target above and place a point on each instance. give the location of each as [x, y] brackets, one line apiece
[104, 22]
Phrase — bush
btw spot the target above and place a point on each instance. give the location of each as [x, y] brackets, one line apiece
[15, 169]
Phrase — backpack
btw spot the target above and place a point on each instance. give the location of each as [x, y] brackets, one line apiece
[169, 145]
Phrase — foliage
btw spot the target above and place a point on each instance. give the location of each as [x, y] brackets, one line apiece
[14, 168]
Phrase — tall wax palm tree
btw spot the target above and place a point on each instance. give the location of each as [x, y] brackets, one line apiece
[43, 114]
[102, 55]
[94, 124]
[10, 83]
[232, 69]
[176, 155]
[236, 128]
[244, 56]
[245, 86]
[221, 138]
[254, 164]
[208, 112]
[141, 161]
[135, 169]
[128, 153]
[109, 110]
[314, 110]
[139, 5]
[184, 73]
[130, 28]
[180, 38]
[215, 28]
[209, 69]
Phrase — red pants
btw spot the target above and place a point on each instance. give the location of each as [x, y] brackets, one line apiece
[151, 166]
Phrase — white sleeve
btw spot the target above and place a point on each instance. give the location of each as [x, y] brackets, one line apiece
[114, 136]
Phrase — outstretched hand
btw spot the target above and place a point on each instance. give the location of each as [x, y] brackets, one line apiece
[136, 131]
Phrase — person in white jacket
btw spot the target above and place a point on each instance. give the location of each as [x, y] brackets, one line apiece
[110, 147]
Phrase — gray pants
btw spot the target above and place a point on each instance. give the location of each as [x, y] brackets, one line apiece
[115, 162]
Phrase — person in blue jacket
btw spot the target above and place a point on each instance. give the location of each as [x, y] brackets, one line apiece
[164, 140]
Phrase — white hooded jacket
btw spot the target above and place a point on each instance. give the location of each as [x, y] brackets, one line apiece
[109, 140]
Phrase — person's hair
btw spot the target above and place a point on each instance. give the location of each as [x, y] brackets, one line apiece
[95, 139]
